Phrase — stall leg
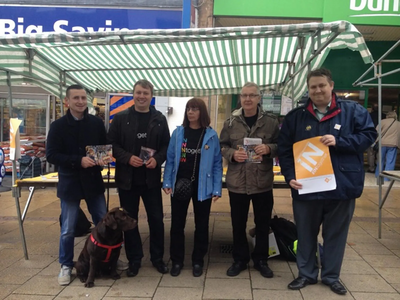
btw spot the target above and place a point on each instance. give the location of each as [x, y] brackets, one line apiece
[17, 195]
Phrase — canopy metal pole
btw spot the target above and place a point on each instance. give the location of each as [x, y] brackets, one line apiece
[15, 189]
[317, 52]
[29, 76]
[107, 112]
[292, 84]
[380, 179]
[384, 84]
[379, 60]
[61, 95]
[48, 108]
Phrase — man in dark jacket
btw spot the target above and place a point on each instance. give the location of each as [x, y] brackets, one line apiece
[79, 177]
[346, 128]
[140, 126]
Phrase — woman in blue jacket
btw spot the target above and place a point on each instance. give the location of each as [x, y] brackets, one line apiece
[193, 153]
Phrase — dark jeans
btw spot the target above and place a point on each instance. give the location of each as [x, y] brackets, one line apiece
[152, 201]
[178, 220]
[262, 208]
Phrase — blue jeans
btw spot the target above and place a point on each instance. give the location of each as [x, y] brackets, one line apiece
[69, 217]
[389, 155]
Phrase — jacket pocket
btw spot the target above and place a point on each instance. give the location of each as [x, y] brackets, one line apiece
[235, 176]
[264, 175]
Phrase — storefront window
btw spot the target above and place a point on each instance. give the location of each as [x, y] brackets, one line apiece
[32, 113]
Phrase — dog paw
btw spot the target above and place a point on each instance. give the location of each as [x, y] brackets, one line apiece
[89, 284]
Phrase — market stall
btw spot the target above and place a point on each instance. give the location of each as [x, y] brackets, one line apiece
[179, 62]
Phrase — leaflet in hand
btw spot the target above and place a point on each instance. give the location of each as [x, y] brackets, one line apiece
[248, 145]
[146, 153]
[100, 152]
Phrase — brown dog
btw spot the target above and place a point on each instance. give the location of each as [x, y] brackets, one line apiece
[102, 248]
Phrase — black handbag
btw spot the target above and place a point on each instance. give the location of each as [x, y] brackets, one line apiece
[183, 189]
[184, 186]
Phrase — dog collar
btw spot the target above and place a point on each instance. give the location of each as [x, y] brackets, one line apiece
[108, 247]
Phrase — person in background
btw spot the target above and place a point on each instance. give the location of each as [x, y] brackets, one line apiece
[79, 177]
[390, 142]
[140, 138]
[347, 129]
[247, 181]
[194, 136]
[371, 153]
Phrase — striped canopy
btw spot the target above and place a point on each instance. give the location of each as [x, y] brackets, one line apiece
[179, 62]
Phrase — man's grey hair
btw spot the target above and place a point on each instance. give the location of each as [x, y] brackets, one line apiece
[391, 114]
[252, 84]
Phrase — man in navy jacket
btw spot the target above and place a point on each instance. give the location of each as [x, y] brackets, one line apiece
[79, 177]
[347, 129]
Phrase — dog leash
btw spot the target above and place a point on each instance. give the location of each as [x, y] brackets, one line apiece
[110, 248]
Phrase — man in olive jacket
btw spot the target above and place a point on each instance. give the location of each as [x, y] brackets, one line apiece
[79, 177]
[140, 126]
[250, 181]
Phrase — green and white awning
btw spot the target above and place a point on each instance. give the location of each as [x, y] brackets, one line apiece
[179, 62]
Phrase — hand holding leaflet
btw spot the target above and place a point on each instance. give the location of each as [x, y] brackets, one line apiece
[313, 166]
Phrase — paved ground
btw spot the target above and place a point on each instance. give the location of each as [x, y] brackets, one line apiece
[371, 269]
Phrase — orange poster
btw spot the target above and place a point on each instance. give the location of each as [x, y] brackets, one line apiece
[313, 166]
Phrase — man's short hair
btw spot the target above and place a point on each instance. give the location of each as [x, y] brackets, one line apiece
[74, 87]
[144, 84]
[252, 84]
[320, 73]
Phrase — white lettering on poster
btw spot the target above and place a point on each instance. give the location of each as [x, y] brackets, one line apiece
[9, 26]
[391, 6]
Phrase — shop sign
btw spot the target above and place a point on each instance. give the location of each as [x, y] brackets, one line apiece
[38, 19]
[366, 12]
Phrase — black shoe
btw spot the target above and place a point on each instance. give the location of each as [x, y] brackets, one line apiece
[369, 171]
[236, 268]
[300, 282]
[133, 269]
[265, 271]
[176, 270]
[161, 267]
[197, 270]
[337, 288]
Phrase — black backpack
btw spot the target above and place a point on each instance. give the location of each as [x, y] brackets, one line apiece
[82, 225]
[285, 234]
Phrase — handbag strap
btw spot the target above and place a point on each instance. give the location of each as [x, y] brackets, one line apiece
[195, 157]
[385, 131]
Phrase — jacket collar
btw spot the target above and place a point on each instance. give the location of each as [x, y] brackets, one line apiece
[71, 120]
[332, 111]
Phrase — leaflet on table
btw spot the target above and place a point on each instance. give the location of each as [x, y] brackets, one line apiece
[248, 145]
[98, 152]
[313, 166]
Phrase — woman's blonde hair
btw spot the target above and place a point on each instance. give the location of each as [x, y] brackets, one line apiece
[391, 114]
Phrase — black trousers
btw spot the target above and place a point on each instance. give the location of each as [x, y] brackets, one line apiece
[262, 208]
[178, 221]
[152, 201]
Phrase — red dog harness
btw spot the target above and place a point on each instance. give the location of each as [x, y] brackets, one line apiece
[110, 248]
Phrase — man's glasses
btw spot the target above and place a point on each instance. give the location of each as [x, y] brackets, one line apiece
[251, 96]
[192, 109]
